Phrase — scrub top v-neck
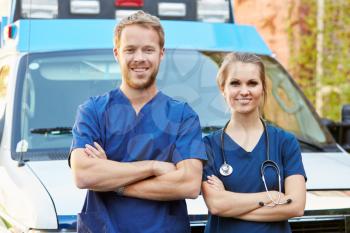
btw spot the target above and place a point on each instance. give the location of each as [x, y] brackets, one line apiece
[245, 178]
[165, 130]
[227, 138]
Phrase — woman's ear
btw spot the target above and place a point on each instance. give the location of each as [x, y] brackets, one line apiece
[222, 90]
[224, 96]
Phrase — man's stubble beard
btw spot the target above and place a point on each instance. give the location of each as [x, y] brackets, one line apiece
[143, 86]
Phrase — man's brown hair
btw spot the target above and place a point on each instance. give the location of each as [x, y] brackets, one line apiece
[143, 19]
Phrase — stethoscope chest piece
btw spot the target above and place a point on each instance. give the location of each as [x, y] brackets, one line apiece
[226, 169]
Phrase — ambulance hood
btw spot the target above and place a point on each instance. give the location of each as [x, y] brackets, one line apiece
[325, 171]
[57, 178]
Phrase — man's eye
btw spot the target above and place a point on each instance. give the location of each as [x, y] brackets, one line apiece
[149, 50]
[129, 50]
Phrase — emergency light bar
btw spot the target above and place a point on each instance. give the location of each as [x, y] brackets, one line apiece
[166, 9]
[119, 14]
[44, 9]
[129, 3]
[179, 10]
[213, 11]
[89, 7]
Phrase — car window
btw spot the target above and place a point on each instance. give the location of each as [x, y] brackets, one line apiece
[287, 108]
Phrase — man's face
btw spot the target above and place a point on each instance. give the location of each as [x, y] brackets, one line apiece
[139, 56]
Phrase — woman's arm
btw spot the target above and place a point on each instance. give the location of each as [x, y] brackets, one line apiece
[295, 190]
[230, 204]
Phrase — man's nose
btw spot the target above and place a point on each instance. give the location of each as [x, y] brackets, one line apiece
[139, 55]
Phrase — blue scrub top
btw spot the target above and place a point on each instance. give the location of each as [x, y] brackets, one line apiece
[246, 178]
[165, 130]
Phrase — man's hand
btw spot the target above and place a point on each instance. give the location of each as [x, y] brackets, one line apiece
[93, 170]
[162, 168]
[159, 167]
[183, 182]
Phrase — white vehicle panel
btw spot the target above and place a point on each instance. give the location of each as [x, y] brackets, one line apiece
[57, 178]
[327, 170]
[27, 203]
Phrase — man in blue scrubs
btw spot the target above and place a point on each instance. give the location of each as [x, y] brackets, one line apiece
[136, 150]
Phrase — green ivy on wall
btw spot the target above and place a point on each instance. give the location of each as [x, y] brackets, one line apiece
[302, 43]
[336, 61]
[302, 32]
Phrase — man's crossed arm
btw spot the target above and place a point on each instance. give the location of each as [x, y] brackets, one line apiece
[150, 179]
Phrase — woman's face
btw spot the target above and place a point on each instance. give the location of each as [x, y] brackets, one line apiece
[243, 89]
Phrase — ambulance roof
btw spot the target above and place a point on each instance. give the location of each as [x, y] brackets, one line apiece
[52, 35]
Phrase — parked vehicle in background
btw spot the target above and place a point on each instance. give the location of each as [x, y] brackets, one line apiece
[45, 76]
[340, 130]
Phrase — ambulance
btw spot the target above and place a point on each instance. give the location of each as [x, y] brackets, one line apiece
[55, 54]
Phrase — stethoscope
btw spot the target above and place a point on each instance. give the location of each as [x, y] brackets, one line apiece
[226, 169]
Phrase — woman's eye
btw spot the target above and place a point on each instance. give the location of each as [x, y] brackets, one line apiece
[253, 83]
[234, 83]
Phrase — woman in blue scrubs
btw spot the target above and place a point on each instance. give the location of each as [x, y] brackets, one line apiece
[236, 196]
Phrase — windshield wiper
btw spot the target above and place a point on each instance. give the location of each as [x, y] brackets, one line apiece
[210, 128]
[53, 131]
[310, 143]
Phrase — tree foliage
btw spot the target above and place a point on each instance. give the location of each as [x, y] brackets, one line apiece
[335, 78]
